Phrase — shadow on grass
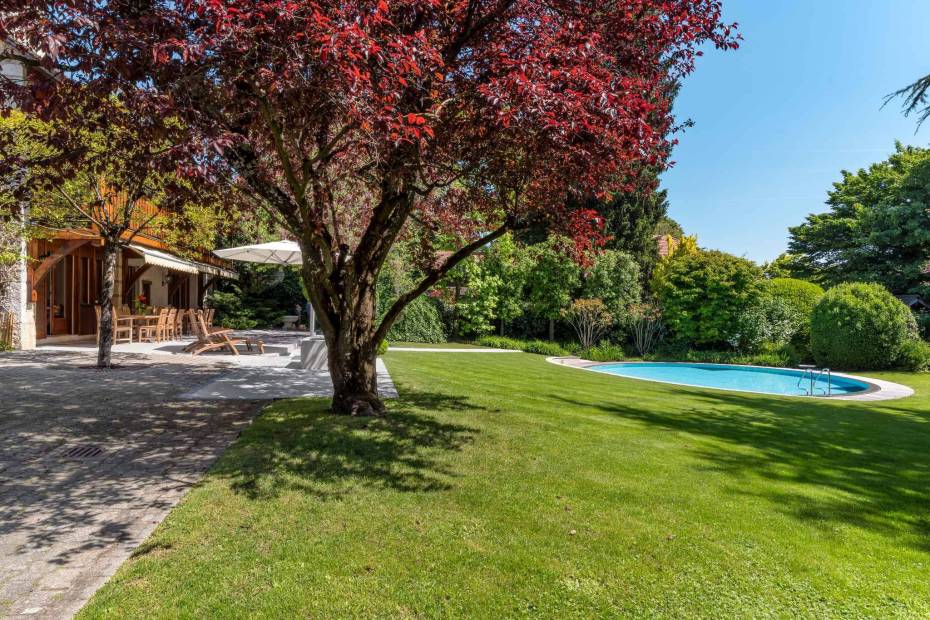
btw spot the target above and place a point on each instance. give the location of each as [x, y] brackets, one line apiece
[866, 465]
[297, 445]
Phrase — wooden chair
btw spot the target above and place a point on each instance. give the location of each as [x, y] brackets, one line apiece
[208, 340]
[179, 324]
[171, 325]
[121, 333]
[208, 316]
[155, 332]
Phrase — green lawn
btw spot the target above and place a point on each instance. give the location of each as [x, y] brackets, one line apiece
[503, 486]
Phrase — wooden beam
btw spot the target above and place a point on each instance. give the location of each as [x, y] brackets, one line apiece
[127, 288]
[54, 258]
[203, 291]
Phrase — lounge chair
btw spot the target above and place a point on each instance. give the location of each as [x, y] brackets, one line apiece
[217, 338]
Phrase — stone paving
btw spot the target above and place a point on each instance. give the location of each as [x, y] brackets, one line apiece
[91, 462]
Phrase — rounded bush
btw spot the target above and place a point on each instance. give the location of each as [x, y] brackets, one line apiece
[703, 295]
[860, 326]
[419, 322]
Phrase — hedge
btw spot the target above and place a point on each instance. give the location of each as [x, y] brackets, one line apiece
[419, 322]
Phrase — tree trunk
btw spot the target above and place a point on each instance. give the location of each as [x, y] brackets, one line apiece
[350, 343]
[355, 378]
[105, 346]
[551, 330]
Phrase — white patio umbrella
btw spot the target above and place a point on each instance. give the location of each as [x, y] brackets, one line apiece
[275, 252]
[282, 252]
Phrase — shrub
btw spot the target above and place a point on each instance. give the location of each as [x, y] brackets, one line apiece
[646, 327]
[230, 311]
[419, 322]
[590, 318]
[915, 356]
[769, 320]
[860, 326]
[540, 347]
[800, 297]
[614, 279]
[382, 347]
[703, 294]
[923, 324]
[769, 354]
[603, 352]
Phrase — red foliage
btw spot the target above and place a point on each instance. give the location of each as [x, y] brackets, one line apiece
[357, 122]
[475, 110]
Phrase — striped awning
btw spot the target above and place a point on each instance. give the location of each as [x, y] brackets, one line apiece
[176, 263]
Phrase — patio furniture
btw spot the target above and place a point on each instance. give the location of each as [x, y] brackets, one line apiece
[171, 325]
[155, 330]
[121, 332]
[179, 323]
[208, 316]
[208, 340]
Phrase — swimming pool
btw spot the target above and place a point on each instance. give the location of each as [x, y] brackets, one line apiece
[781, 381]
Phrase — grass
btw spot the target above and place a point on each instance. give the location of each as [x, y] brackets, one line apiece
[504, 486]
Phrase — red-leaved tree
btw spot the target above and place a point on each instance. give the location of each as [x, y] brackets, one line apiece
[358, 122]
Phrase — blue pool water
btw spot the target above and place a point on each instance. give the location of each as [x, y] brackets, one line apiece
[781, 381]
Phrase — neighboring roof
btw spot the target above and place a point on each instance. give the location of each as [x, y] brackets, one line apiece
[666, 244]
[176, 263]
[914, 301]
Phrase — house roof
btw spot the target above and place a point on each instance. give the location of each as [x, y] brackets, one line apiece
[914, 301]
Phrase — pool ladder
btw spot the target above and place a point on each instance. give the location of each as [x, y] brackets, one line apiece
[813, 375]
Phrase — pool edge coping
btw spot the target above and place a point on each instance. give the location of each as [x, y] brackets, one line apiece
[879, 389]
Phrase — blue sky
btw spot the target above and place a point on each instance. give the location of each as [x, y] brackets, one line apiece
[778, 119]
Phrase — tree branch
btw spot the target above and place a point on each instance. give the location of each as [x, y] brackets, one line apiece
[434, 276]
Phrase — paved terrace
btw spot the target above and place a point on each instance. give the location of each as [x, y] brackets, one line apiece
[92, 461]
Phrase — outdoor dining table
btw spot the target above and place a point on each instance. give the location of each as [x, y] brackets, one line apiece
[143, 319]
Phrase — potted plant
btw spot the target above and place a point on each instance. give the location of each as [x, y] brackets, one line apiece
[139, 305]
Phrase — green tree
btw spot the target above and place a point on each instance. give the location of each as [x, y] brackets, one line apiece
[477, 308]
[877, 228]
[614, 279]
[630, 222]
[551, 278]
[704, 294]
[668, 226]
[784, 265]
[103, 179]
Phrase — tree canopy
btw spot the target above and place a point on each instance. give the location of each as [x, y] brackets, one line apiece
[356, 123]
[877, 228]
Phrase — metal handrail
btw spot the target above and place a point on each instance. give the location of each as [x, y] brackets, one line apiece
[808, 373]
